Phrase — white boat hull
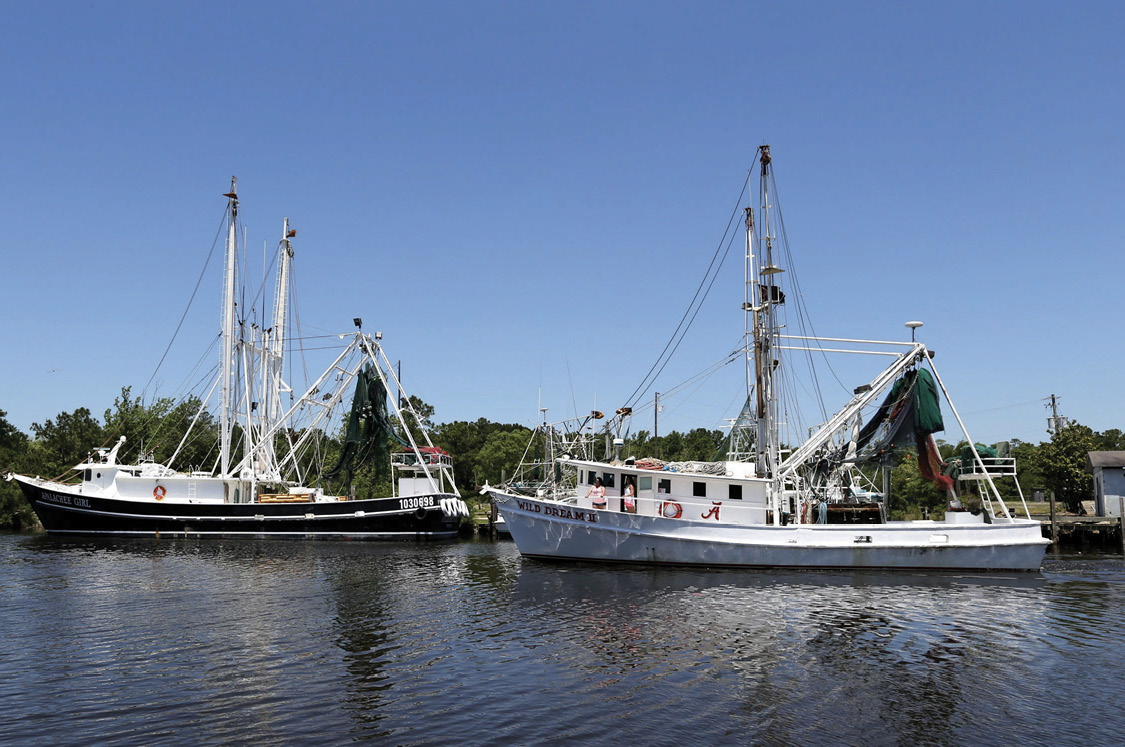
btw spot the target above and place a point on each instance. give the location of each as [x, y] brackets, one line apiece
[548, 529]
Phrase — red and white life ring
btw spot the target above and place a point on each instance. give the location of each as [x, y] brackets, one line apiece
[671, 510]
[159, 492]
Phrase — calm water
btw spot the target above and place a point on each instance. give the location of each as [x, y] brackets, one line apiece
[249, 642]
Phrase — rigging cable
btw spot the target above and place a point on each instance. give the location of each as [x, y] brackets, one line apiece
[190, 300]
[650, 377]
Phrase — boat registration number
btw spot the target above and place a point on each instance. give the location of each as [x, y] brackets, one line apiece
[420, 502]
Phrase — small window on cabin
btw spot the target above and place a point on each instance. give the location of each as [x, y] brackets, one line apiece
[607, 479]
[699, 489]
[735, 493]
[99, 475]
[664, 486]
[591, 476]
[86, 476]
[645, 483]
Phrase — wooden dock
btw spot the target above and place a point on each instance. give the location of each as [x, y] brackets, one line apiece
[1085, 532]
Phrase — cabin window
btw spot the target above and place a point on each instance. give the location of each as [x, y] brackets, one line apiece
[99, 475]
[664, 486]
[607, 479]
[591, 476]
[735, 493]
[699, 489]
[86, 476]
[645, 482]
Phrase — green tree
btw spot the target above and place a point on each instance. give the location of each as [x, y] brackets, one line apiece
[639, 444]
[910, 492]
[424, 419]
[1062, 463]
[156, 430]
[464, 441]
[64, 442]
[500, 455]
[699, 444]
[15, 512]
[1027, 466]
[1110, 440]
[671, 446]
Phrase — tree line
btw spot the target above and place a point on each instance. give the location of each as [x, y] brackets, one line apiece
[483, 451]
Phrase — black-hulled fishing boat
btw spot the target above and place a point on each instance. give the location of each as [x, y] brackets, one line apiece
[271, 476]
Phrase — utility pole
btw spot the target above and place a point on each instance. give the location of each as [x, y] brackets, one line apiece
[1054, 423]
[656, 423]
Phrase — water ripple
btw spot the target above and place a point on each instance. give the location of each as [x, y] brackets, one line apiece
[152, 642]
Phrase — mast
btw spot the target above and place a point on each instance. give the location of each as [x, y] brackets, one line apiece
[767, 298]
[742, 427]
[748, 313]
[228, 330]
[280, 315]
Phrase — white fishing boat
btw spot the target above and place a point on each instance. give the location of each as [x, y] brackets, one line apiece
[269, 476]
[767, 506]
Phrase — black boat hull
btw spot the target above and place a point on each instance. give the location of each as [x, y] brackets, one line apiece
[413, 518]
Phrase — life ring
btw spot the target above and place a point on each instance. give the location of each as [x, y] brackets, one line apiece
[671, 510]
[159, 492]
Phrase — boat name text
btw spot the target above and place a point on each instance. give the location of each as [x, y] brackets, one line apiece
[64, 500]
[559, 511]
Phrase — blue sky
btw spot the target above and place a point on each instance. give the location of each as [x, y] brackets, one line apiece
[523, 196]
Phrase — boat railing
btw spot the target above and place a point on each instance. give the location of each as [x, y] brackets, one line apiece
[982, 469]
[410, 459]
[992, 467]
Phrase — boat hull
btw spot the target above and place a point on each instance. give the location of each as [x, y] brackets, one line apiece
[547, 529]
[64, 510]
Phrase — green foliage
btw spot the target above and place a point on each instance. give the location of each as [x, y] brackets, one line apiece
[910, 492]
[500, 455]
[64, 442]
[1110, 440]
[1062, 464]
[697, 445]
[425, 412]
[15, 513]
[370, 481]
[157, 429]
[1028, 467]
[464, 440]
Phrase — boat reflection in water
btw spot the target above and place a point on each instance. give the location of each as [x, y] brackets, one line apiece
[887, 656]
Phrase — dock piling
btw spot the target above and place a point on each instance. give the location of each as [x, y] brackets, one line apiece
[1121, 520]
[1054, 523]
